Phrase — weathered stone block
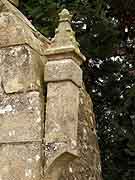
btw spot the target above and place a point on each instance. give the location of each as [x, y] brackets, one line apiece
[21, 117]
[20, 161]
[15, 29]
[62, 113]
[61, 126]
[21, 69]
[63, 70]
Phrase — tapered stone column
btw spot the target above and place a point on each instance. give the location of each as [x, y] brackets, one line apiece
[64, 78]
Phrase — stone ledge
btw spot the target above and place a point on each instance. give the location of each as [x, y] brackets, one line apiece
[68, 52]
[63, 70]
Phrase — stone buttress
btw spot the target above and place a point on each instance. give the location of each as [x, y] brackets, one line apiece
[47, 122]
[70, 136]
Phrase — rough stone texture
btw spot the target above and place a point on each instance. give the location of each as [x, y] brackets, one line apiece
[61, 123]
[20, 161]
[21, 113]
[13, 22]
[63, 70]
[21, 69]
[20, 117]
[87, 166]
[22, 51]
[21, 103]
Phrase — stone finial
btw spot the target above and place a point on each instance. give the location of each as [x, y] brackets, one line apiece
[15, 2]
[64, 40]
[65, 16]
[65, 36]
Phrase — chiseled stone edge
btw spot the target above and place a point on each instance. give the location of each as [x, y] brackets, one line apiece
[15, 2]
[63, 70]
[42, 42]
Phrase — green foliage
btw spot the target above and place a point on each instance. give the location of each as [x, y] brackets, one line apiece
[113, 93]
[100, 36]
[44, 13]
[109, 72]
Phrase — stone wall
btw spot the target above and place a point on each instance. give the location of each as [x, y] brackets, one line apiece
[47, 123]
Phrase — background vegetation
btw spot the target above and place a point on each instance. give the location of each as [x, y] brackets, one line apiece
[106, 32]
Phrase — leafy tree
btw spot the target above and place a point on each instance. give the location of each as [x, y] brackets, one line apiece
[106, 32]
[44, 13]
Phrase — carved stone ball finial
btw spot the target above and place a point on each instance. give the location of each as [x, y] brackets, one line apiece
[65, 16]
[14, 2]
